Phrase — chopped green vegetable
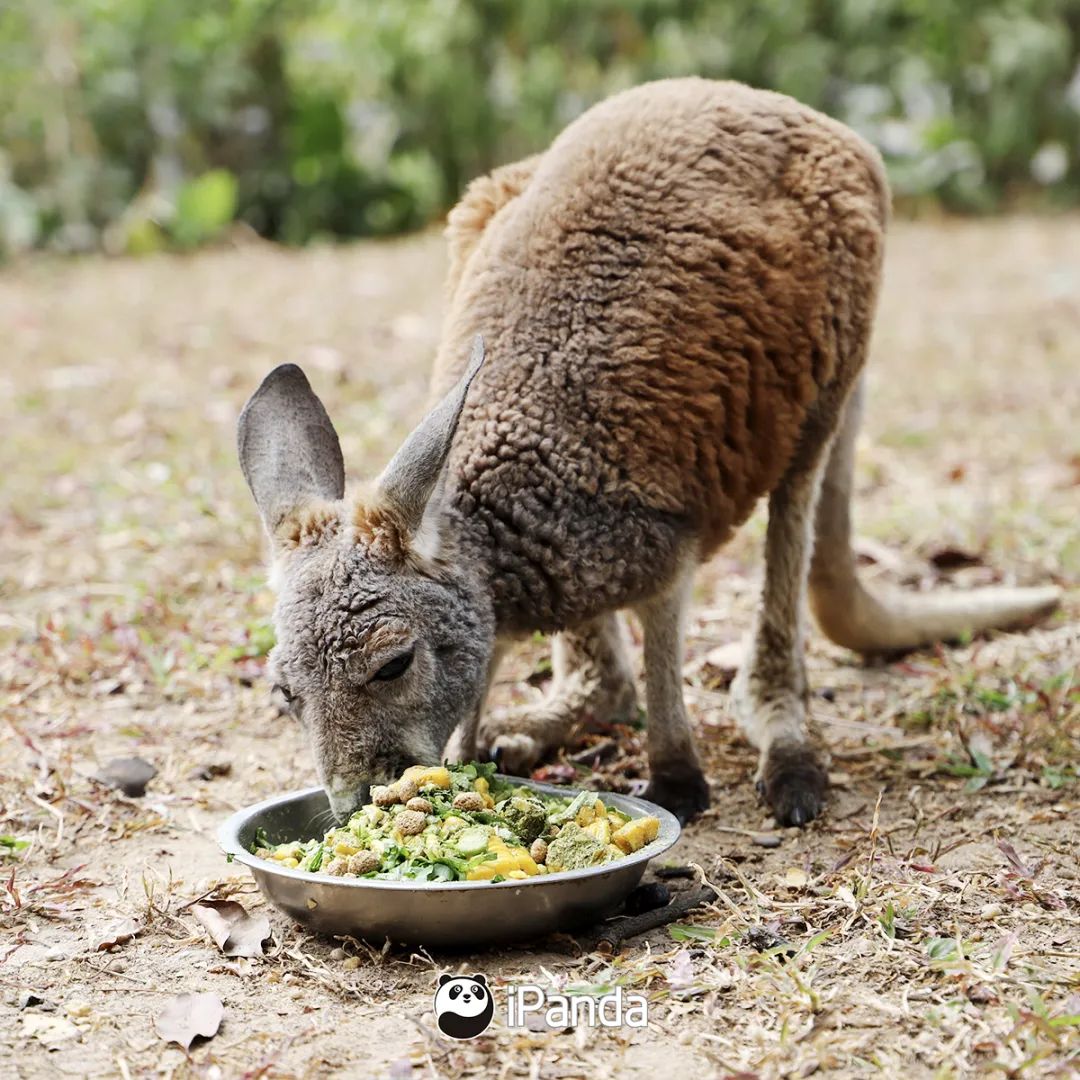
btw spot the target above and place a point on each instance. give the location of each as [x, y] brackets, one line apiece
[472, 841]
[526, 815]
[443, 842]
[574, 849]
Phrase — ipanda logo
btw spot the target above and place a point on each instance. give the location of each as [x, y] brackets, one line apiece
[464, 1007]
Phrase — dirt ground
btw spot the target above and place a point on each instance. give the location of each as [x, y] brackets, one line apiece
[932, 914]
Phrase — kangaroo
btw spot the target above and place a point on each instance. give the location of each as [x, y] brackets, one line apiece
[675, 302]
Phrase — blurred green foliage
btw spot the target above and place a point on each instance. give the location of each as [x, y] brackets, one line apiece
[137, 124]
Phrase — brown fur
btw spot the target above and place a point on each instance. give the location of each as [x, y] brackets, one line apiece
[663, 302]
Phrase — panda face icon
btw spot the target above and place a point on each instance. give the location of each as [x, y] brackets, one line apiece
[463, 1005]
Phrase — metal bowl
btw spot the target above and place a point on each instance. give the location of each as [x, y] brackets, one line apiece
[448, 914]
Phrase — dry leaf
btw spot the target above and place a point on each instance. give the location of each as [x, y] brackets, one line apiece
[119, 933]
[129, 775]
[795, 878]
[680, 973]
[870, 552]
[189, 1017]
[235, 932]
[725, 660]
[952, 558]
[49, 1030]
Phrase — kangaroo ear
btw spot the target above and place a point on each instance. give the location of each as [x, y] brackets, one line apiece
[444, 979]
[408, 481]
[289, 450]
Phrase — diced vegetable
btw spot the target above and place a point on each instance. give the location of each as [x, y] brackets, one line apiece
[468, 825]
[472, 841]
[424, 776]
[635, 834]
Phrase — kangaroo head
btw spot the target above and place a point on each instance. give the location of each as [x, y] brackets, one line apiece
[383, 637]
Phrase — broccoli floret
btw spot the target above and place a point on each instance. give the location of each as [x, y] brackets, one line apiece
[525, 816]
[574, 849]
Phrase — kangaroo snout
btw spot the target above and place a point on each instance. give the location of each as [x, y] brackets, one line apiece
[346, 799]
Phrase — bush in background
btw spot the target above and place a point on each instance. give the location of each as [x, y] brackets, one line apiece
[136, 124]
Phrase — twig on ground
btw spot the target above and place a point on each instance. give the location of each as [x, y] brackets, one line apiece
[611, 938]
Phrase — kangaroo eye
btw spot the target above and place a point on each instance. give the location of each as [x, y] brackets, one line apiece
[394, 669]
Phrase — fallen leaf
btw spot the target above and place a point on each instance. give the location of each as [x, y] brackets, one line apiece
[129, 775]
[235, 932]
[680, 973]
[189, 1017]
[1018, 864]
[766, 939]
[211, 771]
[30, 1000]
[953, 558]
[724, 662]
[980, 994]
[119, 933]
[870, 552]
[50, 1031]
[555, 774]
[794, 878]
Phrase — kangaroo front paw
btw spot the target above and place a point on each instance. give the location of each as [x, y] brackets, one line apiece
[515, 754]
[793, 782]
[684, 792]
[518, 739]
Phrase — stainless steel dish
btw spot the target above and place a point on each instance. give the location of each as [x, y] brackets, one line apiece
[451, 914]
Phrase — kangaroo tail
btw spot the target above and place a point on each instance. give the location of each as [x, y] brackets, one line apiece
[861, 620]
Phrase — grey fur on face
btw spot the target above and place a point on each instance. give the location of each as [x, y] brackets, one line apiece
[378, 662]
[384, 638]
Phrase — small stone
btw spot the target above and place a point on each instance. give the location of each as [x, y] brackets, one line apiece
[766, 839]
[78, 1008]
[56, 954]
[337, 954]
[128, 775]
[351, 963]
